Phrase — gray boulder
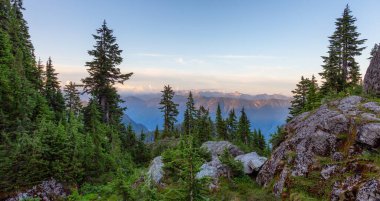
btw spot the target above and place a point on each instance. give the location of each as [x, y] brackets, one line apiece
[156, 172]
[216, 148]
[372, 76]
[369, 134]
[47, 190]
[252, 162]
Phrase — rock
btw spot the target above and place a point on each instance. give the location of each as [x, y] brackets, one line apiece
[216, 148]
[369, 134]
[345, 190]
[214, 170]
[328, 171]
[320, 134]
[369, 191]
[279, 185]
[373, 107]
[369, 117]
[156, 172]
[337, 156]
[372, 76]
[251, 162]
[47, 190]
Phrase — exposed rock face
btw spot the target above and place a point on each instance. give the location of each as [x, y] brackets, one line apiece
[372, 76]
[216, 148]
[213, 169]
[251, 162]
[156, 172]
[47, 190]
[369, 191]
[338, 133]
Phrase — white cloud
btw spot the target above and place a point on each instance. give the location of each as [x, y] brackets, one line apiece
[244, 57]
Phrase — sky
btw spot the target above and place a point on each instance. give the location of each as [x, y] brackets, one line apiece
[249, 46]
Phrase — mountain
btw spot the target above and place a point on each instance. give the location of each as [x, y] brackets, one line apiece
[137, 127]
[265, 112]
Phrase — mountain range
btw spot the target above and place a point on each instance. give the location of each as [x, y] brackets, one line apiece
[264, 111]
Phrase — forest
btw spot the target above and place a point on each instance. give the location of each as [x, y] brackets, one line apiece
[48, 133]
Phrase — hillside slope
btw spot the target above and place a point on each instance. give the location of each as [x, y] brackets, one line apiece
[331, 153]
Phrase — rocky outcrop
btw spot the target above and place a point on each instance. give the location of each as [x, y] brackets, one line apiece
[328, 141]
[216, 148]
[372, 76]
[369, 191]
[48, 190]
[156, 172]
[252, 162]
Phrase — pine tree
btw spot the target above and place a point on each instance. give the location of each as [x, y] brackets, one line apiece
[258, 142]
[156, 134]
[73, 103]
[313, 99]
[231, 125]
[244, 130]
[169, 108]
[189, 115]
[203, 126]
[340, 69]
[104, 74]
[220, 124]
[53, 92]
[299, 98]
[41, 77]
[375, 48]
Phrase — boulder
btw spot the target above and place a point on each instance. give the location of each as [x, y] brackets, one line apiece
[216, 148]
[156, 172]
[47, 190]
[369, 134]
[213, 169]
[372, 76]
[252, 162]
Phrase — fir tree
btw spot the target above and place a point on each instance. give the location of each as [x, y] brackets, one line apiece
[312, 96]
[220, 124]
[340, 69]
[53, 92]
[189, 115]
[244, 130]
[203, 126]
[169, 108]
[156, 134]
[73, 103]
[375, 48]
[104, 74]
[231, 125]
[299, 97]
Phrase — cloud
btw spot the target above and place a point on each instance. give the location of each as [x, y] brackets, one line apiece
[180, 60]
[153, 55]
[245, 57]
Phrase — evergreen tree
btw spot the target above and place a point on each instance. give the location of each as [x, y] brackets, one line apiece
[375, 48]
[41, 77]
[53, 92]
[299, 97]
[104, 74]
[220, 124]
[244, 130]
[231, 125]
[169, 108]
[313, 99]
[258, 142]
[340, 69]
[203, 126]
[156, 134]
[73, 103]
[189, 115]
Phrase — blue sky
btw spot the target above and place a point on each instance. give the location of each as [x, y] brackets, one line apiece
[244, 45]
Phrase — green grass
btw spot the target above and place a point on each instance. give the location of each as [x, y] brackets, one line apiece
[242, 188]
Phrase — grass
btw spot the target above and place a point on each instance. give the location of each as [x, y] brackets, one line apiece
[242, 188]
